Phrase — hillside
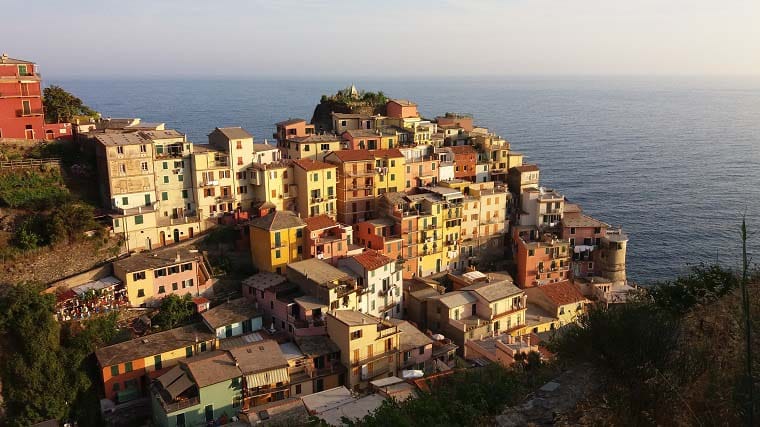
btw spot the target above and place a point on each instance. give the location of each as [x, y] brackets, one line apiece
[348, 100]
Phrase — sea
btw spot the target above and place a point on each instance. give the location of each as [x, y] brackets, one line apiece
[674, 161]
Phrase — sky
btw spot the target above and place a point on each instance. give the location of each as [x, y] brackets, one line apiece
[383, 38]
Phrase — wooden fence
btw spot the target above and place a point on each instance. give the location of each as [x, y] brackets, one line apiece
[30, 163]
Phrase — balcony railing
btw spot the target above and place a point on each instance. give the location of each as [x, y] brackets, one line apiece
[29, 113]
[380, 356]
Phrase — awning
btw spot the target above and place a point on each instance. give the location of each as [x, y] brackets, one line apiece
[178, 387]
[171, 376]
[267, 378]
[581, 248]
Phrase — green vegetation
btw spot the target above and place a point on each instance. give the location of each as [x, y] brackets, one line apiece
[32, 190]
[62, 106]
[672, 356]
[175, 311]
[44, 376]
[464, 398]
[65, 223]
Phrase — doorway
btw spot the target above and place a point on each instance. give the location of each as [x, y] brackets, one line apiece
[162, 236]
[176, 235]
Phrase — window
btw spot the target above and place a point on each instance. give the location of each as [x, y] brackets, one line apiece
[306, 147]
[122, 168]
[531, 252]
[355, 335]
[114, 370]
[157, 362]
[315, 177]
[175, 286]
[144, 166]
[188, 266]
[422, 350]
[140, 293]
[184, 192]
[166, 179]
[128, 367]
[561, 311]
[277, 254]
[140, 275]
[298, 388]
[228, 331]
[143, 148]
[164, 195]
[119, 150]
[325, 147]
[161, 289]
[165, 165]
[239, 145]
[188, 351]
[329, 175]
[572, 230]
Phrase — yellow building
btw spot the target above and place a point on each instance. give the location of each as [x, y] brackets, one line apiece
[274, 183]
[213, 181]
[313, 147]
[430, 226]
[277, 239]
[389, 171]
[369, 347]
[554, 305]
[316, 187]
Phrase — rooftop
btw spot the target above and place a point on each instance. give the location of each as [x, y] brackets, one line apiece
[161, 134]
[352, 155]
[391, 153]
[320, 222]
[259, 356]
[404, 102]
[264, 280]
[578, 220]
[317, 271]
[230, 312]
[562, 293]
[455, 299]
[4, 59]
[234, 133]
[212, 368]
[526, 168]
[312, 165]
[494, 291]
[156, 259]
[151, 345]
[317, 345]
[290, 122]
[372, 260]
[355, 318]
[118, 139]
[263, 146]
[463, 149]
[411, 337]
[278, 220]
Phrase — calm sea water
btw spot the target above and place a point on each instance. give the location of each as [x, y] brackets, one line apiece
[674, 161]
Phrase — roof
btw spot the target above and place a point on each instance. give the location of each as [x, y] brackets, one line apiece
[289, 122]
[116, 139]
[577, 219]
[291, 351]
[230, 312]
[234, 132]
[259, 356]
[212, 368]
[278, 220]
[411, 337]
[264, 280]
[309, 302]
[151, 345]
[317, 270]
[392, 153]
[349, 115]
[562, 293]
[317, 345]
[494, 291]
[4, 59]
[320, 222]
[352, 155]
[312, 165]
[455, 299]
[156, 259]
[263, 146]
[463, 149]
[403, 102]
[161, 134]
[355, 318]
[526, 168]
[372, 260]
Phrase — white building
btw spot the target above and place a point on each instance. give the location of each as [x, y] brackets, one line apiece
[383, 281]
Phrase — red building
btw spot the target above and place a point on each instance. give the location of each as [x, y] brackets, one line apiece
[465, 159]
[21, 111]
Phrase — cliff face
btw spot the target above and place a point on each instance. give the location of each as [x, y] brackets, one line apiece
[323, 121]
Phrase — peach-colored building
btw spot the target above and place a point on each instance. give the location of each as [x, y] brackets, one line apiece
[292, 128]
[401, 109]
[326, 239]
[585, 235]
[540, 258]
[356, 173]
[421, 167]
[415, 347]
[463, 121]
[369, 139]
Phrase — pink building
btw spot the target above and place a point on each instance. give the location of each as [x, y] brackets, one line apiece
[421, 171]
[585, 235]
[285, 306]
[326, 239]
[401, 109]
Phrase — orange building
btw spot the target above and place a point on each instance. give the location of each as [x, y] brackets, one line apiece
[326, 239]
[369, 139]
[356, 173]
[292, 128]
[465, 159]
[540, 258]
[401, 109]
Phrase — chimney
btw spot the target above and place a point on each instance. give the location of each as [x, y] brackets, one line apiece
[178, 257]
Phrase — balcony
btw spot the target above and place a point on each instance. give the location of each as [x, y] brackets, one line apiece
[367, 360]
[169, 221]
[376, 372]
[359, 172]
[31, 112]
[262, 391]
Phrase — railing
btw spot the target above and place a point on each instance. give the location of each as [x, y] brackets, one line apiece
[375, 358]
[260, 391]
[29, 163]
[167, 221]
[29, 113]
[182, 404]
[376, 372]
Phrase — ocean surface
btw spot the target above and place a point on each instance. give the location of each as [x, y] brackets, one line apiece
[674, 161]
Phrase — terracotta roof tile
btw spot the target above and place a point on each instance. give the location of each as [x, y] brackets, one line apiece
[463, 149]
[526, 168]
[388, 152]
[312, 165]
[278, 220]
[372, 260]
[352, 155]
[319, 222]
[289, 122]
[562, 293]
[234, 133]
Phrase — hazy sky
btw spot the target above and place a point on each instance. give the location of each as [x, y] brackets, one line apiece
[383, 37]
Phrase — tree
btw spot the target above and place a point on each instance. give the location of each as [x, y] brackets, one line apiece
[62, 106]
[175, 310]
